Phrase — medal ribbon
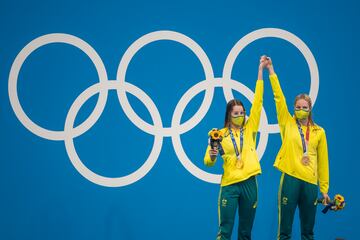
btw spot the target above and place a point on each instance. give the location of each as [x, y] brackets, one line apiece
[304, 140]
[234, 142]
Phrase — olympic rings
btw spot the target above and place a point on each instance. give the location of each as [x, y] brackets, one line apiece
[157, 130]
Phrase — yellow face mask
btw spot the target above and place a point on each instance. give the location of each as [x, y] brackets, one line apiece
[238, 120]
[301, 114]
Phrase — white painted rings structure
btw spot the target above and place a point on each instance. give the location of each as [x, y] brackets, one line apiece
[121, 86]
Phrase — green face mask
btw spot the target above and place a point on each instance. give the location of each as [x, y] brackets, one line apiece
[301, 114]
[238, 121]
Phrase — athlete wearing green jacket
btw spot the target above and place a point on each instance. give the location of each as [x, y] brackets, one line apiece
[303, 161]
[241, 164]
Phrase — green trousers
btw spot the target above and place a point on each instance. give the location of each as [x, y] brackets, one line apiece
[241, 197]
[295, 193]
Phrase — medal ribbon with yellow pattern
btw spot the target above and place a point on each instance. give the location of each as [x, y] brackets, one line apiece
[305, 142]
[239, 162]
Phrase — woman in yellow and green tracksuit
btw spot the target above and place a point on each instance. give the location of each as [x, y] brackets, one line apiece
[241, 164]
[303, 161]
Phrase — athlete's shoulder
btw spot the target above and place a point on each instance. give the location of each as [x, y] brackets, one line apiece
[318, 128]
[222, 130]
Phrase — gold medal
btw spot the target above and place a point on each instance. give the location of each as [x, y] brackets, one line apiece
[239, 163]
[305, 160]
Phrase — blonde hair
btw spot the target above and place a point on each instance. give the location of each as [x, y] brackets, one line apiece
[308, 100]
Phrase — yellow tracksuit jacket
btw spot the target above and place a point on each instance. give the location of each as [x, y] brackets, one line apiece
[249, 156]
[289, 157]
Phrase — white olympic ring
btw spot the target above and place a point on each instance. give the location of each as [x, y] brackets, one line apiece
[121, 86]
